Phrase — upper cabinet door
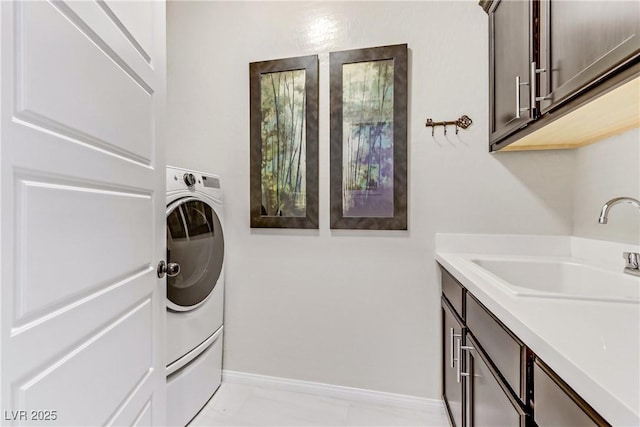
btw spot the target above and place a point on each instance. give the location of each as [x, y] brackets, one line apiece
[583, 41]
[510, 57]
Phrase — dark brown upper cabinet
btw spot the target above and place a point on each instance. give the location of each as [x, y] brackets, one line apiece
[562, 73]
[582, 41]
[510, 53]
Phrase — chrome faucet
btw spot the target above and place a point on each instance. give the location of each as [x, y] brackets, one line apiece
[611, 203]
[632, 259]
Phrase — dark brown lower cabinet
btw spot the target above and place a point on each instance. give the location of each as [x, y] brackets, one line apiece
[474, 393]
[490, 378]
[556, 404]
[490, 402]
[452, 331]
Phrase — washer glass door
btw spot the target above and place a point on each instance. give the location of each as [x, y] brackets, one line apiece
[195, 241]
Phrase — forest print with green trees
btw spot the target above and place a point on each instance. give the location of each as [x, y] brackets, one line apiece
[367, 176]
[283, 134]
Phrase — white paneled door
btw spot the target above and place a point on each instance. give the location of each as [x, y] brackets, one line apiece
[82, 204]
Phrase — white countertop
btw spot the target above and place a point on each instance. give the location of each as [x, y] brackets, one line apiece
[593, 346]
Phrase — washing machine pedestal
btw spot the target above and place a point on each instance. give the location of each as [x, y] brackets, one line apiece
[191, 383]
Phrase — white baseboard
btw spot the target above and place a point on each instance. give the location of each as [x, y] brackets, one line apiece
[330, 390]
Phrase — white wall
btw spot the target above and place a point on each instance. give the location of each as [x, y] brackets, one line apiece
[355, 308]
[603, 171]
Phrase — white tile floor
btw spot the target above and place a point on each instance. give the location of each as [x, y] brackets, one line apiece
[247, 405]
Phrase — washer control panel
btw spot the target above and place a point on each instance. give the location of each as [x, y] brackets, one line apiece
[183, 179]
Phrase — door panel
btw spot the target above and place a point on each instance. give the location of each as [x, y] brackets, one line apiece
[489, 402]
[119, 374]
[87, 212]
[114, 37]
[82, 204]
[580, 44]
[143, 418]
[135, 19]
[118, 98]
[555, 407]
[79, 320]
[451, 388]
[510, 58]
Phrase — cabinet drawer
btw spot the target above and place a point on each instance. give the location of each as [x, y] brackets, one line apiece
[453, 291]
[556, 404]
[503, 348]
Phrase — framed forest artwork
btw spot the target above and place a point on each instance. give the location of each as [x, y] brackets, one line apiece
[284, 143]
[368, 96]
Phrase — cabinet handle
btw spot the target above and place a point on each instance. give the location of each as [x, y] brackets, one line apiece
[459, 372]
[518, 109]
[458, 367]
[460, 348]
[532, 86]
[452, 358]
[535, 98]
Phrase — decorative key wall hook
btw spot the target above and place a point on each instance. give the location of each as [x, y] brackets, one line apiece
[462, 122]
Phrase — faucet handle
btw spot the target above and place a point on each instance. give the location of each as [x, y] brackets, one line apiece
[632, 259]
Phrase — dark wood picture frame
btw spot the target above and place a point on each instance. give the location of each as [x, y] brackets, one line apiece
[259, 216]
[398, 220]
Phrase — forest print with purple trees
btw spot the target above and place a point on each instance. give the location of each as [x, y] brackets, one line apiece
[283, 135]
[367, 176]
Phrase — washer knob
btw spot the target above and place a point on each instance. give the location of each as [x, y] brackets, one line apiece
[189, 179]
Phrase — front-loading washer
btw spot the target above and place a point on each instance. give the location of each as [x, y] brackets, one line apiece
[195, 291]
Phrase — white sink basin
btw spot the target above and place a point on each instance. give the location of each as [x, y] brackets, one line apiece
[562, 279]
